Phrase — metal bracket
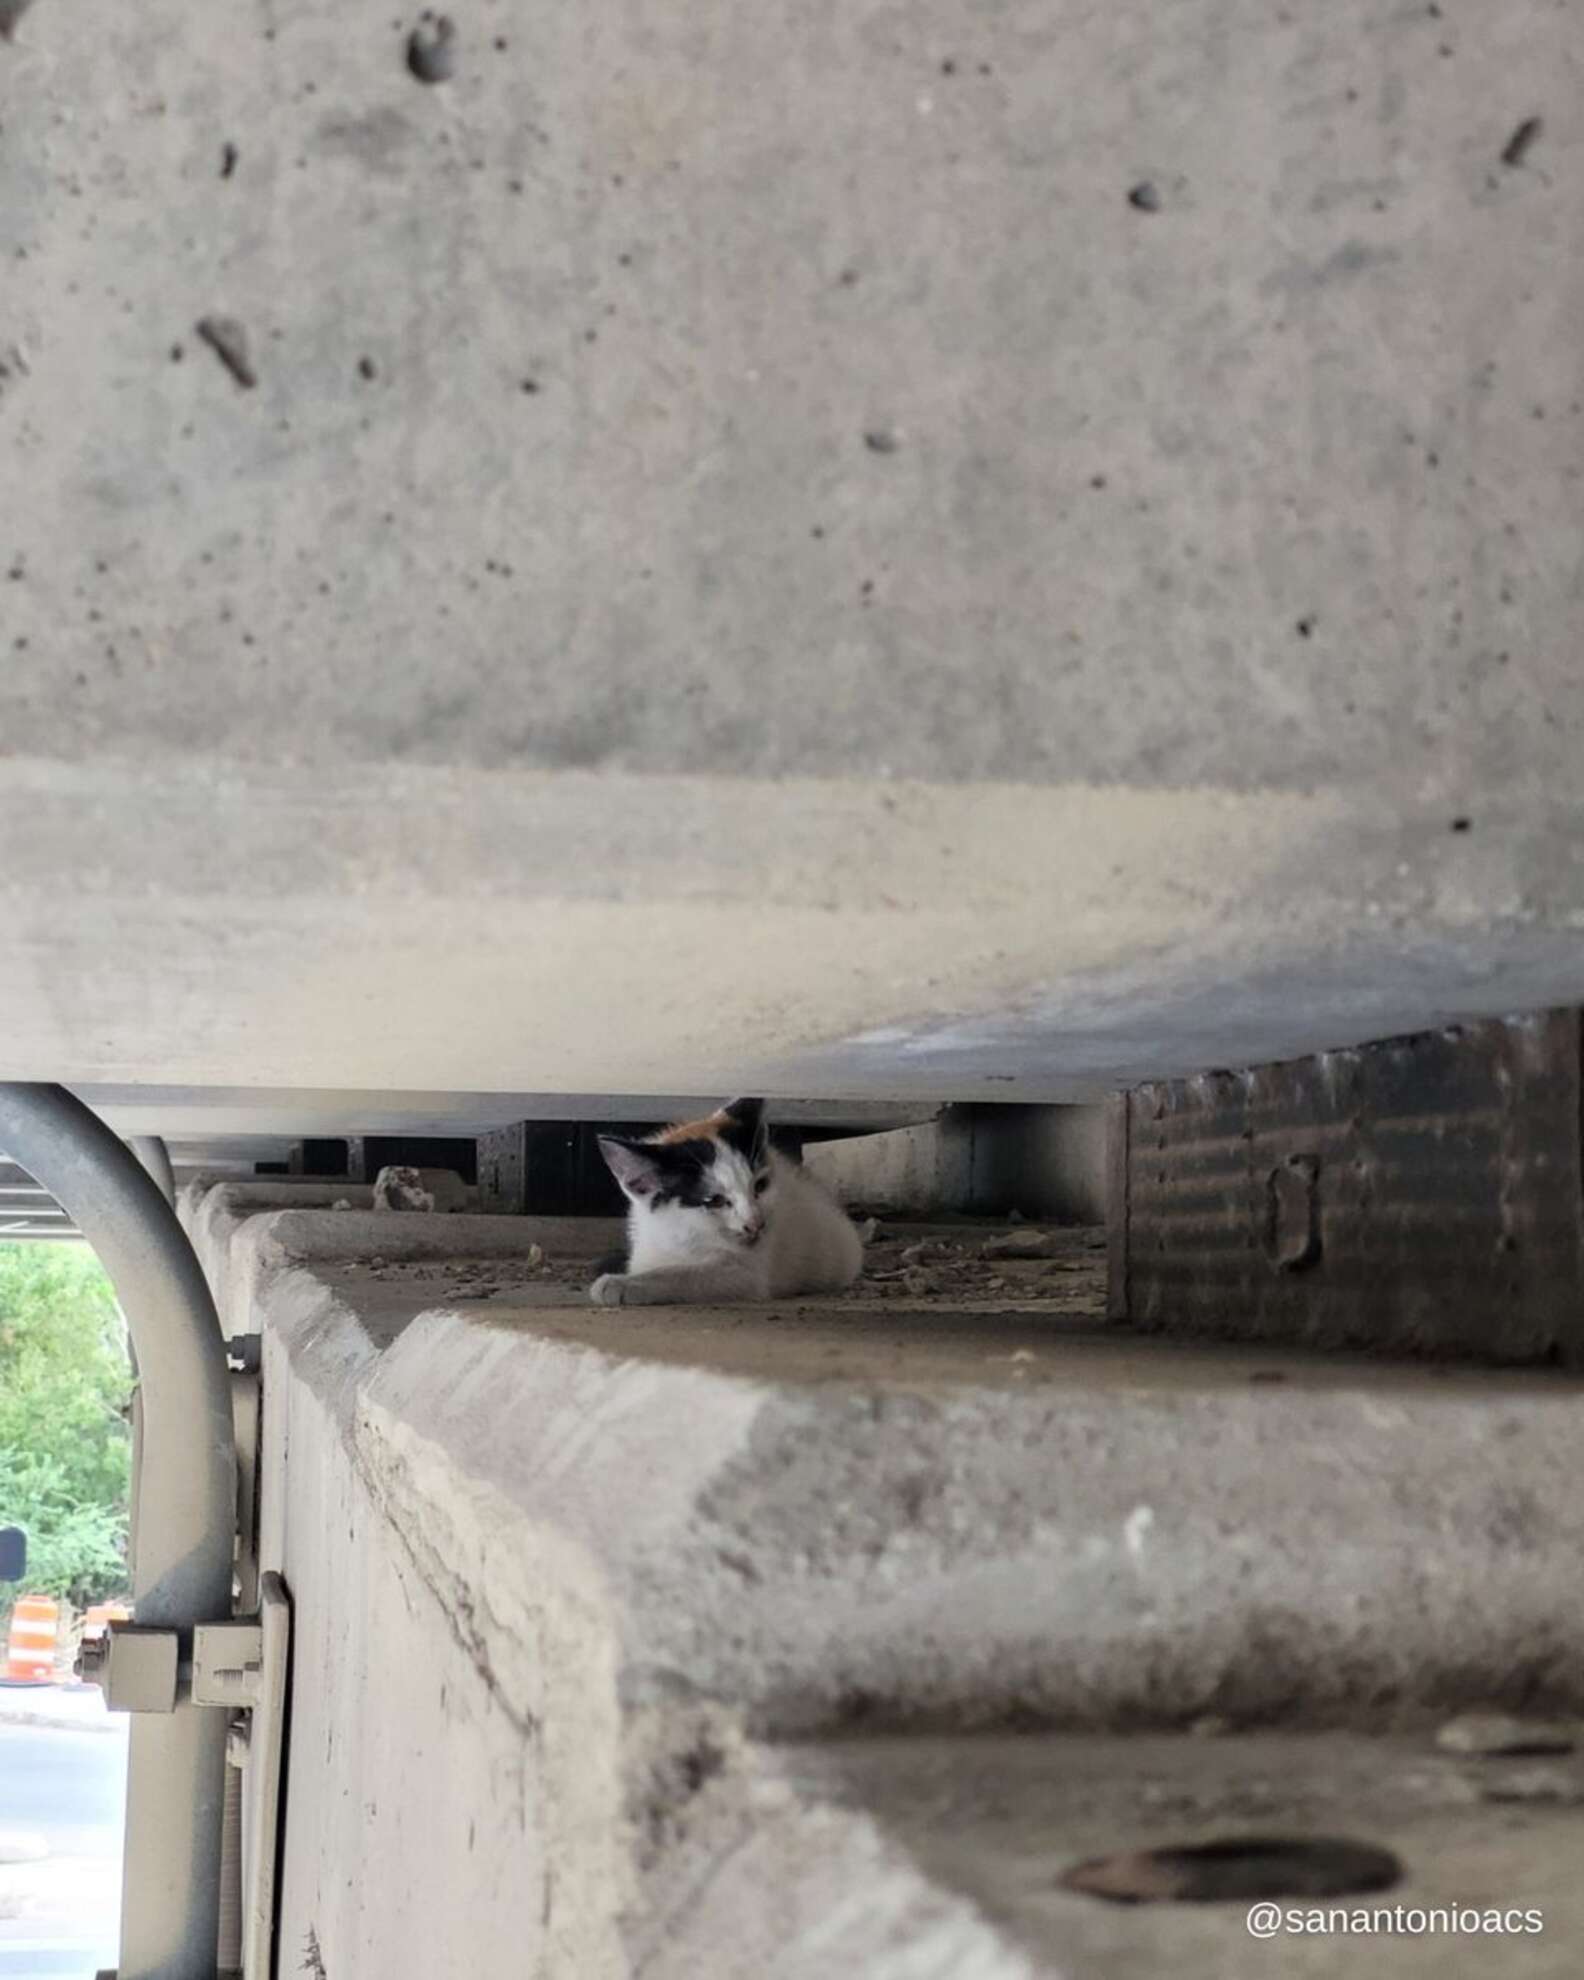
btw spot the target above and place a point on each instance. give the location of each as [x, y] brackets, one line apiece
[227, 1664]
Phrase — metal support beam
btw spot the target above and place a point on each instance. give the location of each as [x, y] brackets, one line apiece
[186, 1511]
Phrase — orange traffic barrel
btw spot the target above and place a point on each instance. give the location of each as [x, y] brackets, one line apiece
[30, 1652]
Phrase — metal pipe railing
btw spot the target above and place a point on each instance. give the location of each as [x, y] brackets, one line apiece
[186, 1494]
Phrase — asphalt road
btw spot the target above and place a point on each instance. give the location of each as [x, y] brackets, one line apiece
[70, 1788]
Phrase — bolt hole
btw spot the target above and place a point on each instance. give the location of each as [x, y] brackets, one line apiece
[1237, 1868]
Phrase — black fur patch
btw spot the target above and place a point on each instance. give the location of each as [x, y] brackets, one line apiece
[682, 1166]
[745, 1129]
[685, 1166]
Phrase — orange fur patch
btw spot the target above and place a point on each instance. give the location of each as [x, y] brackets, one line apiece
[711, 1127]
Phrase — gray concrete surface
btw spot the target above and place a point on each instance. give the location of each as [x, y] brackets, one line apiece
[997, 1820]
[1001, 640]
[986, 1160]
[1328, 390]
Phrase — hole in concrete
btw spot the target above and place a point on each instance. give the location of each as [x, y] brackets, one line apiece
[1292, 1226]
[229, 342]
[431, 50]
[1237, 1867]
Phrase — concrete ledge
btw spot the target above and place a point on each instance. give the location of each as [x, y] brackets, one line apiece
[252, 1228]
[838, 1511]
[559, 1573]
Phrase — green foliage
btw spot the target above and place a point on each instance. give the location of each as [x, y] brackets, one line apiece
[65, 1455]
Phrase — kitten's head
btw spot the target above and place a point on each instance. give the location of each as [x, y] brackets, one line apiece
[716, 1169]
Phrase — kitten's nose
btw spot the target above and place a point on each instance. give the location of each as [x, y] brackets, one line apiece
[753, 1232]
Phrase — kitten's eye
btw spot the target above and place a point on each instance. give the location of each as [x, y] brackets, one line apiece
[761, 1184]
[714, 1203]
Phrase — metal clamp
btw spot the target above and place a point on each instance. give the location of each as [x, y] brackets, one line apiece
[228, 1664]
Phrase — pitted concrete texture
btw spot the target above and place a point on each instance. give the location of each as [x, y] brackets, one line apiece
[1272, 485]
[820, 538]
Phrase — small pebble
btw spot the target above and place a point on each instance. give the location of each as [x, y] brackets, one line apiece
[1021, 1244]
[1501, 1732]
[926, 1251]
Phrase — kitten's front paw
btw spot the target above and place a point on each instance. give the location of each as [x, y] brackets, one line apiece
[607, 1289]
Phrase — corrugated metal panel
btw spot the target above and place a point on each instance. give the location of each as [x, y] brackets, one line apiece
[1423, 1194]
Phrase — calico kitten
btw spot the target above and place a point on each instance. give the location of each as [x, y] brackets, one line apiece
[716, 1216]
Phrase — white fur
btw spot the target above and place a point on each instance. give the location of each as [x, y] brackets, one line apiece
[792, 1239]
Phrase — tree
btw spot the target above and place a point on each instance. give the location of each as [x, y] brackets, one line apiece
[65, 1455]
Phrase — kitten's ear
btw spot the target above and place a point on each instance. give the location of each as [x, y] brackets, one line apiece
[747, 1117]
[633, 1165]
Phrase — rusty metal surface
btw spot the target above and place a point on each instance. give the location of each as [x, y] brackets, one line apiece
[1423, 1194]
